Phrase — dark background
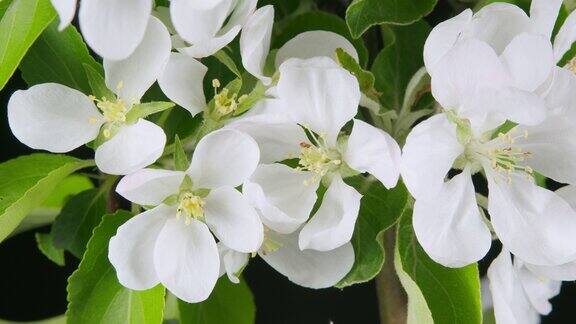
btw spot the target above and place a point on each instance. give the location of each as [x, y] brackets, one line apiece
[33, 288]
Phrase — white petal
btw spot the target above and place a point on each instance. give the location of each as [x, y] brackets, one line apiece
[538, 290]
[333, 224]
[281, 196]
[234, 222]
[224, 158]
[255, 42]
[149, 187]
[243, 9]
[563, 272]
[112, 28]
[53, 117]
[532, 222]
[131, 250]
[182, 82]
[66, 10]
[565, 37]
[429, 153]
[231, 262]
[372, 150]
[211, 46]
[309, 268]
[196, 22]
[560, 97]
[320, 94]
[186, 260]
[315, 43]
[133, 148]
[511, 305]
[568, 193]
[130, 78]
[444, 37]
[543, 14]
[530, 60]
[449, 227]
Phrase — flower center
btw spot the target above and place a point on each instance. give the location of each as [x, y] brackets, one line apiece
[225, 102]
[190, 206]
[508, 158]
[319, 160]
[571, 65]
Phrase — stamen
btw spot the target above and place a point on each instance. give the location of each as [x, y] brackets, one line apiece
[191, 206]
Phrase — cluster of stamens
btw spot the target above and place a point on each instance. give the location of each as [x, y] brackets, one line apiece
[191, 207]
[318, 158]
[114, 111]
[224, 102]
[509, 159]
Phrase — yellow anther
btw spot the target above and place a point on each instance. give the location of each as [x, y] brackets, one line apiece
[225, 103]
[191, 206]
[216, 83]
[107, 133]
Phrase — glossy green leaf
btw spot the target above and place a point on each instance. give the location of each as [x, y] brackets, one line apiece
[21, 24]
[47, 248]
[365, 78]
[380, 209]
[452, 295]
[59, 57]
[94, 294]
[362, 14]
[74, 225]
[229, 303]
[181, 162]
[28, 181]
[146, 109]
[225, 59]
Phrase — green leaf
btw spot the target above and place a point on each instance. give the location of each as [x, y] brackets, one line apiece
[27, 181]
[365, 78]
[181, 162]
[380, 208]
[452, 295]
[59, 57]
[362, 14]
[146, 109]
[94, 294]
[21, 24]
[73, 227]
[229, 303]
[47, 248]
[418, 312]
[225, 59]
[97, 83]
[399, 61]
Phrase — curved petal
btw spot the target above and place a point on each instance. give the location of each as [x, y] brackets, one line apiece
[309, 268]
[563, 272]
[568, 193]
[511, 305]
[255, 42]
[321, 95]
[333, 224]
[316, 43]
[113, 29]
[231, 262]
[149, 187]
[233, 221]
[133, 148]
[566, 37]
[538, 290]
[429, 153]
[182, 82]
[186, 260]
[211, 46]
[131, 77]
[66, 10]
[444, 37]
[53, 117]
[372, 150]
[450, 227]
[530, 60]
[532, 222]
[282, 195]
[243, 9]
[543, 14]
[197, 21]
[560, 97]
[225, 157]
[131, 250]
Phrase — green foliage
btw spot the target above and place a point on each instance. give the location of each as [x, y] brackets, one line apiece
[59, 57]
[181, 162]
[94, 294]
[365, 78]
[229, 303]
[82, 213]
[27, 181]
[97, 84]
[452, 295]
[21, 24]
[379, 210]
[225, 59]
[146, 109]
[362, 14]
[47, 248]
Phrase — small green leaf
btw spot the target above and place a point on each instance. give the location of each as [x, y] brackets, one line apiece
[94, 294]
[418, 312]
[47, 248]
[380, 209]
[26, 183]
[225, 59]
[362, 14]
[146, 109]
[59, 56]
[97, 83]
[365, 78]
[181, 162]
[229, 303]
[452, 295]
[73, 227]
[21, 24]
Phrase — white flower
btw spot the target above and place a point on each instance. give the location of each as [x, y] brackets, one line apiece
[59, 119]
[171, 243]
[112, 28]
[322, 97]
[478, 95]
[208, 26]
